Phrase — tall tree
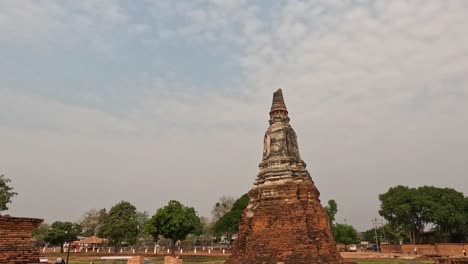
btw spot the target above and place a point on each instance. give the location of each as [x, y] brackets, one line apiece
[6, 193]
[403, 208]
[61, 232]
[345, 234]
[174, 221]
[464, 229]
[222, 206]
[412, 209]
[331, 209]
[40, 233]
[143, 237]
[444, 208]
[228, 224]
[121, 225]
[207, 230]
[92, 221]
[385, 233]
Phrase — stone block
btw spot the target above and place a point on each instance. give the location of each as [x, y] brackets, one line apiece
[136, 260]
[172, 260]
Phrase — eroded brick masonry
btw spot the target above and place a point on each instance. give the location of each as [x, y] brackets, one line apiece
[284, 221]
[16, 245]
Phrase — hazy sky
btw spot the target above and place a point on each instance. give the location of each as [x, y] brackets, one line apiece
[147, 101]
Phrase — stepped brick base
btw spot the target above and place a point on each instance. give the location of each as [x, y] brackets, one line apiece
[287, 227]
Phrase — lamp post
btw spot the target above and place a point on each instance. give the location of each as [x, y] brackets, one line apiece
[68, 252]
[374, 223]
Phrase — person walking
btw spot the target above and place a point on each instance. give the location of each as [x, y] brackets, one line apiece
[464, 252]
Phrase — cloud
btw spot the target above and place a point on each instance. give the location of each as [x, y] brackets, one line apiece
[39, 113]
[376, 91]
[61, 24]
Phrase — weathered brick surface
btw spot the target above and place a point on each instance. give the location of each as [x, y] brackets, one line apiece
[451, 249]
[284, 221]
[136, 260]
[390, 248]
[423, 249]
[451, 261]
[16, 245]
[444, 249]
[172, 260]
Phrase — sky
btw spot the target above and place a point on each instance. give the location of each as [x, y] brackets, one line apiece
[151, 101]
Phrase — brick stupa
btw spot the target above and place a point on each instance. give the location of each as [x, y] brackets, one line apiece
[284, 220]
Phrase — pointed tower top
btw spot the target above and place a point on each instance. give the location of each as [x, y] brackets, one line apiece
[278, 102]
[278, 112]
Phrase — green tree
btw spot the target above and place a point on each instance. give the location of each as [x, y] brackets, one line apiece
[207, 230]
[228, 224]
[385, 233]
[222, 206]
[121, 225]
[92, 221]
[412, 209]
[174, 221]
[40, 233]
[61, 232]
[444, 208]
[345, 234]
[143, 237]
[403, 208]
[6, 193]
[464, 231]
[331, 209]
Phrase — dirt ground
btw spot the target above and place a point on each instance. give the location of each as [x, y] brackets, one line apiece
[87, 258]
[376, 255]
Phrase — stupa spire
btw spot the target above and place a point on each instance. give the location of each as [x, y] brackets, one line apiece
[278, 111]
[278, 101]
[284, 220]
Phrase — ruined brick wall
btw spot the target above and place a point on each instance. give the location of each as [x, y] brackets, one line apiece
[422, 249]
[341, 247]
[391, 248]
[451, 261]
[136, 260]
[16, 246]
[172, 260]
[444, 249]
[451, 249]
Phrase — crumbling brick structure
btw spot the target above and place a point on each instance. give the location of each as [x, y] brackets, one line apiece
[172, 260]
[284, 220]
[451, 261]
[16, 245]
[136, 260]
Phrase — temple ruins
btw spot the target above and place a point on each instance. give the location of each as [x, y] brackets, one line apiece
[284, 220]
[16, 245]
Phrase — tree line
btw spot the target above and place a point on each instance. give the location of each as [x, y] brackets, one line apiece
[411, 214]
[425, 214]
[123, 225]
